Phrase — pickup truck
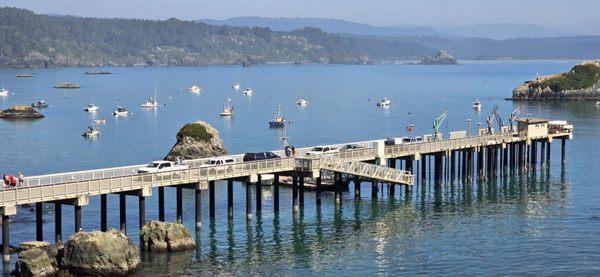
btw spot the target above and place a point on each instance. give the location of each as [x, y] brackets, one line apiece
[162, 166]
[322, 150]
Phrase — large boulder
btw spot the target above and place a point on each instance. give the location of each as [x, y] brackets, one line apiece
[160, 236]
[100, 254]
[20, 112]
[39, 261]
[197, 140]
[440, 58]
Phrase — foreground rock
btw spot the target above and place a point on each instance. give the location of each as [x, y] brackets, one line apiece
[42, 261]
[160, 236]
[20, 112]
[100, 254]
[582, 82]
[441, 58]
[197, 140]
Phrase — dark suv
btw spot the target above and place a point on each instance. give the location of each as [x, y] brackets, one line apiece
[259, 156]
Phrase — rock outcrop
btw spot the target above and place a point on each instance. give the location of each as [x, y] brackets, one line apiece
[582, 82]
[39, 261]
[67, 85]
[160, 236]
[442, 58]
[197, 140]
[21, 112]
[100, 254]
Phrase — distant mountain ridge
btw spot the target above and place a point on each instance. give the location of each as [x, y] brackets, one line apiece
[497, 31]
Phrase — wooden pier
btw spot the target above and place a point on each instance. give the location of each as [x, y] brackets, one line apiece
[459, 158]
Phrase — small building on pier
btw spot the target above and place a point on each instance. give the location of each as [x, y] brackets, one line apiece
[532, 127]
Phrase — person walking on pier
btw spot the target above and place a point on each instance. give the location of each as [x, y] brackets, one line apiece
[293, 151]
[21, 178]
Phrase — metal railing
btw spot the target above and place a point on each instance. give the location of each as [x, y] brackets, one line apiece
[362, 169]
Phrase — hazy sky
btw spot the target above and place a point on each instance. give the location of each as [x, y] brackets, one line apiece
[579, 16]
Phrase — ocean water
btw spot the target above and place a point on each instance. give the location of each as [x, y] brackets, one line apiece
[545, 223]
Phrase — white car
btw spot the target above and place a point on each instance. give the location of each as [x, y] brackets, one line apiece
[218, 161]
[322, 150]
[162, 166]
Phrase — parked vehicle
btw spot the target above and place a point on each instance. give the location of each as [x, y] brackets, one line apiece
[260, 156]
[322, 150]
[351, 147]
[219, 161]
[162, 166]
[393, 141]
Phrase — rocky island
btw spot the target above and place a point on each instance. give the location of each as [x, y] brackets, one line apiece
[20, 112]
[197, 140]
[582, 82]
[67, 85]
[441, 58]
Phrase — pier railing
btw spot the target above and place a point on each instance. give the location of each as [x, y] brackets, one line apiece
[446, 145]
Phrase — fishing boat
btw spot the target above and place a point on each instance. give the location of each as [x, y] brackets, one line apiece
[4, 92]
[248, 91]
[91, 107]
[150, 103]
[40, 104]
[598, 104]
[195, 89]
[25, 75]
[236, 86]
[301, 102]
[385, 102]
[278, 119]
[91, 132]
[477, 105]
[100, 121]
[227, 109]
[121, 112]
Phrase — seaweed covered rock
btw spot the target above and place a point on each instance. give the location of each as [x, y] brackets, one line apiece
[197, 140]
[20, 112]
[160, 236]
[39, 261]
[100, 254]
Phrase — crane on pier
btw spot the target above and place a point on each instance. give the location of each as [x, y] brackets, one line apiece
[512, 117]
[437, 123]
[490, 120]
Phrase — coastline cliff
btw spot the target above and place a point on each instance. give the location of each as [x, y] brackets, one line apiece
[582, 82]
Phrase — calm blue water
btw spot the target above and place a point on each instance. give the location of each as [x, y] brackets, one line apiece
[545, 224]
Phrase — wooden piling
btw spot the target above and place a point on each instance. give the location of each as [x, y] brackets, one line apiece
[276, 193]
[161, 204]
[103, 213]
[230, 198]
[39, 224]
[211, 199]
[179, 200]
[198, 206]
[57, 222]
[77, 209]
[122, 213]
[5, 239]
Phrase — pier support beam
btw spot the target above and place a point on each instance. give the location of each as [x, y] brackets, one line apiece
[123, 213]
[57, 222]
[438, 168]
[198, 206]
[301, 191]
[452, 165]
[77, 209]
[543, 154]
[248, 202]
[409, 165]
[337, 183]
[161, 204]
[533, 154]
[563, 152]
[357, 187]
[423, 169]
[295, 193]
[179, 200]
[229, 198]
[103, 211]
[258, 194]
[276, 193]
[211, 199]
[142, 210]
[374, 188]
[548, 151]
[5, 239]
[318, 196]
[39, 224]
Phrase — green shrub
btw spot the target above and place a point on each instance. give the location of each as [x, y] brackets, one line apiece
[581, 76]
[195, 131]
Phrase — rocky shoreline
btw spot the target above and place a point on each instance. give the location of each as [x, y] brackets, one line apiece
[561, 86]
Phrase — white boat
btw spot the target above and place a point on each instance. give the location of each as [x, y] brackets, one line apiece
[477, 105]
[301, 102]
[598, 104]
[227, 109]
[195, 89]
[150, 103]
[248, 91]
[91, 107]
[385, 102]
[278, 119]
[121, 112]
[91, 132]
[4, 92]
[236, 86]
[100, 121]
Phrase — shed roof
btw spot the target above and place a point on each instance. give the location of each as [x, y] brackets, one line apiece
[532, 120]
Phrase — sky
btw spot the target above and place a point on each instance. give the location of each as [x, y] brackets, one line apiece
[576, 16]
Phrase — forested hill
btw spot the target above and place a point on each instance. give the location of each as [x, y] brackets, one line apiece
[28, 39]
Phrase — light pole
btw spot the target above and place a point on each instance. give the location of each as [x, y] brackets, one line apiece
[468, 127]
